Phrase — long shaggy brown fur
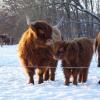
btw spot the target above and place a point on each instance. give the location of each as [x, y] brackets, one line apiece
[69, 53]
[97, 47]
[85, 56]
[76, 56]
[34, 53]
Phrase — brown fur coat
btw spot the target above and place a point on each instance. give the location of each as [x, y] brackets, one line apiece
[76, 56]
[97, 47]
[34, 52]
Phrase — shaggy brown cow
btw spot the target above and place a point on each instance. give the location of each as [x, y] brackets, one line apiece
[97, 47]
[69, 53]
[76, 56]
[4, 39]
[34, 53]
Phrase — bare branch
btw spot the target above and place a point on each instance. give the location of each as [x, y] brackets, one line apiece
[85, 10]
[60, 22]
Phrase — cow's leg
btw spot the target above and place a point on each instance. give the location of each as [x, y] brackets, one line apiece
[40, 72]
[46, 74]
[85, 74]
[30, 72]
[75, 76]
[67, 74]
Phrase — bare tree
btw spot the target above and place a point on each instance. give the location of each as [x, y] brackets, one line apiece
[79, 18]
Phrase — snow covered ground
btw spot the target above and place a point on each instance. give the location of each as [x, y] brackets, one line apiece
[13, 82]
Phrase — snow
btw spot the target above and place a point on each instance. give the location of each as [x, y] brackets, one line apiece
[13, 82]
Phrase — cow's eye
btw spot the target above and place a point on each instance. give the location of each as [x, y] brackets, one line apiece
[41, 31]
